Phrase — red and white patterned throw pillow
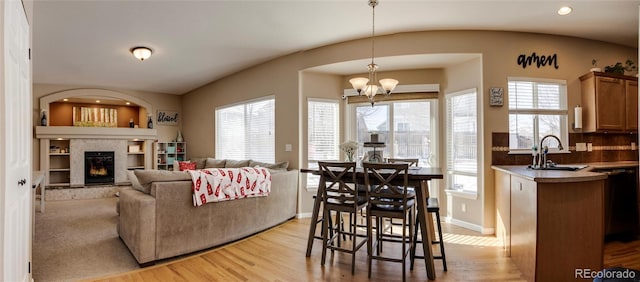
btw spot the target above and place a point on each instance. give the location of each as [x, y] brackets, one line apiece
[187, 166]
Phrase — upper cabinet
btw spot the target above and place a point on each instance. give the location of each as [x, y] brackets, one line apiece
[610, 102]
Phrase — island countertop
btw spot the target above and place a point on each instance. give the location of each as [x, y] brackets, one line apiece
[560, 176]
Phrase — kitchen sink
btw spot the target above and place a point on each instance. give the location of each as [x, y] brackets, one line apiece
[561, 167]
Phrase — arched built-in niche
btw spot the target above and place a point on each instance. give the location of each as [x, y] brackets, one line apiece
[46, 100]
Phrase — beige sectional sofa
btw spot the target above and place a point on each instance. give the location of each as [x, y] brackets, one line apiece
[158, 219]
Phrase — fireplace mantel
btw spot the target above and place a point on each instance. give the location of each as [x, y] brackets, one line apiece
[66, 167]
[76, 132]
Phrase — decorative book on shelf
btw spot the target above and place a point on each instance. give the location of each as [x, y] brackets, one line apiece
[95, 117]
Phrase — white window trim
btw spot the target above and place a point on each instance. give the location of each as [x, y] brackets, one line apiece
[480, 151]
[259, 99]
[565, 125]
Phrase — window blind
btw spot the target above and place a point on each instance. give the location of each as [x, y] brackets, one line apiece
[462, 141]
[536, 108]
[323, 132]
[246, 131]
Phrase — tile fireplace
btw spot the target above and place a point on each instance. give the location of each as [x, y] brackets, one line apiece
[99, 168]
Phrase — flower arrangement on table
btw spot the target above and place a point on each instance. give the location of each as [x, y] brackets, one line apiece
[349, 148]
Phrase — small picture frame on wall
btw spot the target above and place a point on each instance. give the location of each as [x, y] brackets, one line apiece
[496, 96]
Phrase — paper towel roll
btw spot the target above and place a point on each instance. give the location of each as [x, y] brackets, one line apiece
[578, 117]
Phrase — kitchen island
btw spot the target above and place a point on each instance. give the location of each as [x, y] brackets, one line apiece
[551, 222]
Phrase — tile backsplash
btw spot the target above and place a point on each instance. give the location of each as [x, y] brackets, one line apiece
[606, 148]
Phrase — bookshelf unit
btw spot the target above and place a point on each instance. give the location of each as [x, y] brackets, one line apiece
[167, 152]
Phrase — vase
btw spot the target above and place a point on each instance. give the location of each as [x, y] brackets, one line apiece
[149, 123]
[349, 157]
[179, 138]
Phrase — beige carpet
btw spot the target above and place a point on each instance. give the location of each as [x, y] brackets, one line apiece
[77, 239]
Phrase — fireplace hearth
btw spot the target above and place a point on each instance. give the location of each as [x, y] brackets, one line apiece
[99, 168]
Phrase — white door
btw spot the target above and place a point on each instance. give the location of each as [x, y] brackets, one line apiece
[15, 151]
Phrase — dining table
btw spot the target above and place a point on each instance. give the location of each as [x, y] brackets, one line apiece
[419, 178]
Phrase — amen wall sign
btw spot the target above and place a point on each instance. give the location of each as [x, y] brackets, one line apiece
[538, 61]
[167, 118]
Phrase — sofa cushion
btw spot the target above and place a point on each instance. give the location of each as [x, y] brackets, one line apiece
[214, 163]
[200, 162]
[236, 163]
[278, 166]
[135, 184]
[145, 177]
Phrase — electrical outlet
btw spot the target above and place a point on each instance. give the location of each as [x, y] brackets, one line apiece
[581, 147]
[463, 207]
[288, 148]
[589, 147]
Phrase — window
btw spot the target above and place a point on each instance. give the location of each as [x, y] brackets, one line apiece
[323, 131]
[246, 131]
[536, 108]
[408, 128]
[462, 141]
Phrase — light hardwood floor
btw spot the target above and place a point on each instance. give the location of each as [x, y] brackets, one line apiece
[278, 255]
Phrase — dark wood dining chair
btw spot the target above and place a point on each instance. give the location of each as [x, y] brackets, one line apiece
[389, 197]
[411, 162]
[340, 195]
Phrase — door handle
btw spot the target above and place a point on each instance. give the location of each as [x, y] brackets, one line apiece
[22, 182]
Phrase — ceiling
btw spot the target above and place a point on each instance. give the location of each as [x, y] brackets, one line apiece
[87, 43]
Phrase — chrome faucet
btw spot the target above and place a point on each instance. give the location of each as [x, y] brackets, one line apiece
[542, 162]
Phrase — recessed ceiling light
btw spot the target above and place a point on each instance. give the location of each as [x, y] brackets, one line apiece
[97, 101]
[65, 99]
[128, 103]
[563, 11]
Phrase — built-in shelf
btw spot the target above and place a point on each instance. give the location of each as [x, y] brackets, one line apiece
[60, 169]
[58, 154]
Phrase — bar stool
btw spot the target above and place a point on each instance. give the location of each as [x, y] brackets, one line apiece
[432, 207]
[319, 219]
[340, 194]
[413, 162]
[389, 200]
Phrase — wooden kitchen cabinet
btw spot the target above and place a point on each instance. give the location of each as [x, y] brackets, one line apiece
[503, 210]
[549, 222]
[631, 88]
[610, 102]
[523, 225]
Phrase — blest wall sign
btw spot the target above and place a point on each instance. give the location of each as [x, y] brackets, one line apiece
[167, 118]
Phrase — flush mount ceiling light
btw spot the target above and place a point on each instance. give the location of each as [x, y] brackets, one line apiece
[563, 11]
[361, 84]
[141, 53]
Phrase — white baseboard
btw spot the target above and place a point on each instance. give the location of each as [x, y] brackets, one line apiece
[304, 215]
[471, 226]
